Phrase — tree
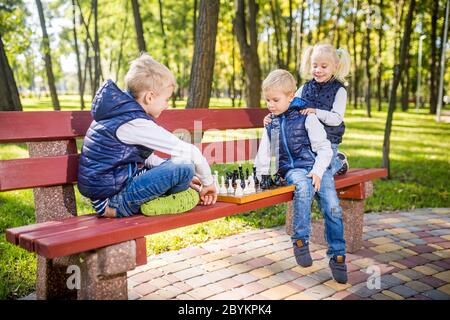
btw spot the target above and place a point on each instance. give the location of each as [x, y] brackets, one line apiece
[204, 55]
[77, 53]
[138, 26]
[47, 57]
[368, 54]
[398, 69]
[249, 50]
[9, 95]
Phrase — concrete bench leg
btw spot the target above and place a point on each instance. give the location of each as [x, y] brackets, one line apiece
[104, 272]
[353, 219]
[52, 203]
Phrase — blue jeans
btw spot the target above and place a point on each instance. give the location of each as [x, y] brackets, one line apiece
[168, 178]
[336, 163]
[328, 204]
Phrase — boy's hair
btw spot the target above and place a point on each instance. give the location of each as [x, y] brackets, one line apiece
[146, 73]
[279, 79]
[340, 56]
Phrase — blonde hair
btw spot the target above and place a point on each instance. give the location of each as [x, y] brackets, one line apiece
[340, 57]
[279, 79]
[146, 73]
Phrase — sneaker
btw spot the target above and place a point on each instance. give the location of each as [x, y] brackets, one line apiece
[338, 269]
[174, 203]
[301, 253]
[345, 165]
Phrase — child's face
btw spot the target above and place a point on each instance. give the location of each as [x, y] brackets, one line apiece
[322, 68]
[277, 100]
[154, 104]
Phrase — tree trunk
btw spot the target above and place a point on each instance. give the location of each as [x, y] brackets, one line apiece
[194, 22]
[163, 34]
[406, 84]
[398, 69]
[48, 58]
[204, 55]
[138, 26]
[249, 51]
[97, 63]
[434, 58]
[355, 64]
[9, 95]
[122, 40]
[289, 36]
[274, 10]
[77, 53]
[319, 22]
[380, 50]
[300, 40]
[368, 92]
[336, 30]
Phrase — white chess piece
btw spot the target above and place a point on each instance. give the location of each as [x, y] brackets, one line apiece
[239, 192]
[223, 189]
[216, 181]
[247, 189]
[251, 185]
[230, 187]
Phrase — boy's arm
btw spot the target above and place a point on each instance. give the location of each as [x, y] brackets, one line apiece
[335, 116]
[319, 144]
[153, 161]
[149, 134]
[262, 159]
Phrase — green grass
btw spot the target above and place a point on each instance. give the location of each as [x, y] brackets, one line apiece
[420, 150]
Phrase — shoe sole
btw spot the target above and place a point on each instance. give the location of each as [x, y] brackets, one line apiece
[172, 204]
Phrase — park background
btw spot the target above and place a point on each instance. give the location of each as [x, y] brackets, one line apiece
[55, 54]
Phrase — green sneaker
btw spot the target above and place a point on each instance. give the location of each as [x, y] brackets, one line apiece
[174, 203]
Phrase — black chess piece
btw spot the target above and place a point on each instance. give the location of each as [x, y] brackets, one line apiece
[235, 177]
[246, 174]
[255, 178]
[266, 181]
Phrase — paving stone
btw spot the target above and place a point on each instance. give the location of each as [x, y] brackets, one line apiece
[321, 275]
[279, 292]
[220, 274]
[227, 295]
[319, 292]
[436, 295]
[426, 270]
[198, 281]
[201, 293]
[389, 280]
[392, 295]
[380, 296]
[418, 286]
[432, 281]
[445, 289]
[337, 286]
[403, 290]
[444, 276]
[145, 289]
[306, 282]
[250, 289]
[357, 277]
[188, 273]
[245, 278]
[363, 291]
[412, 274]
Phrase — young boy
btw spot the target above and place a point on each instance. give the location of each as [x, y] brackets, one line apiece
[118, 170]
[303, 155]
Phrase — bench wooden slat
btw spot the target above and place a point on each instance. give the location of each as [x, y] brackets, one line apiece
[61, 170]
[107, 234]
[62, 125]
[353, 177]
[27, 240]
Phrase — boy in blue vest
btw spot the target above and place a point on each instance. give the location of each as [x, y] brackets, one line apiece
[299, 141]
[118, 170]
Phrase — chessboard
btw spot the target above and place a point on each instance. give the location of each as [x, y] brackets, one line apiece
[260, 194]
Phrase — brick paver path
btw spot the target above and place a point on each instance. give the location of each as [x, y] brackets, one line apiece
[409, 250]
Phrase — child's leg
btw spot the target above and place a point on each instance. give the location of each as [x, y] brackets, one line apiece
[303, 196]
[329, 205]
[336, 163]
[169, 177]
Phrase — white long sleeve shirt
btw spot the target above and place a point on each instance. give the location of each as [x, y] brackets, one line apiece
[147, 133]
[319, 144]
[335, 116]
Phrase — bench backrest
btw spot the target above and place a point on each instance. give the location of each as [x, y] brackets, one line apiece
[41, 169]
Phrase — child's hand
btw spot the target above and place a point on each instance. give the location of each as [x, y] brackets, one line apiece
[208, 195]
[315, 181]
[196, 184]
[267, 120]
[308, 110]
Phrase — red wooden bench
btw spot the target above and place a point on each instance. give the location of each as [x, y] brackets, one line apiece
[105, 249]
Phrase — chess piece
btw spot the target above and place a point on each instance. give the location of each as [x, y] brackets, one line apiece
[255, 177]
[246, 174]
[277, 180]
[230, 189]
[247, 188]
[235, 177]
[251, 185]
[223, 189]
[216, 181]
[239, 192]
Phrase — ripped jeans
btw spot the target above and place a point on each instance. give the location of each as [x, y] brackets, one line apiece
[328, 204]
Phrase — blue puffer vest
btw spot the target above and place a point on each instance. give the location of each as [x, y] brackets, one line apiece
[293, 141]
[321, 96]
[106, 163]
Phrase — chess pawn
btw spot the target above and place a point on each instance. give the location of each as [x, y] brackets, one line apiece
[251, 185]
[230, 187]
[246, 173]
[255, 178]
[246, 189]
[223, 189]
[216, 181]
[239, 192]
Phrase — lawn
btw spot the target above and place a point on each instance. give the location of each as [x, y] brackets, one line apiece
[420, 150]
